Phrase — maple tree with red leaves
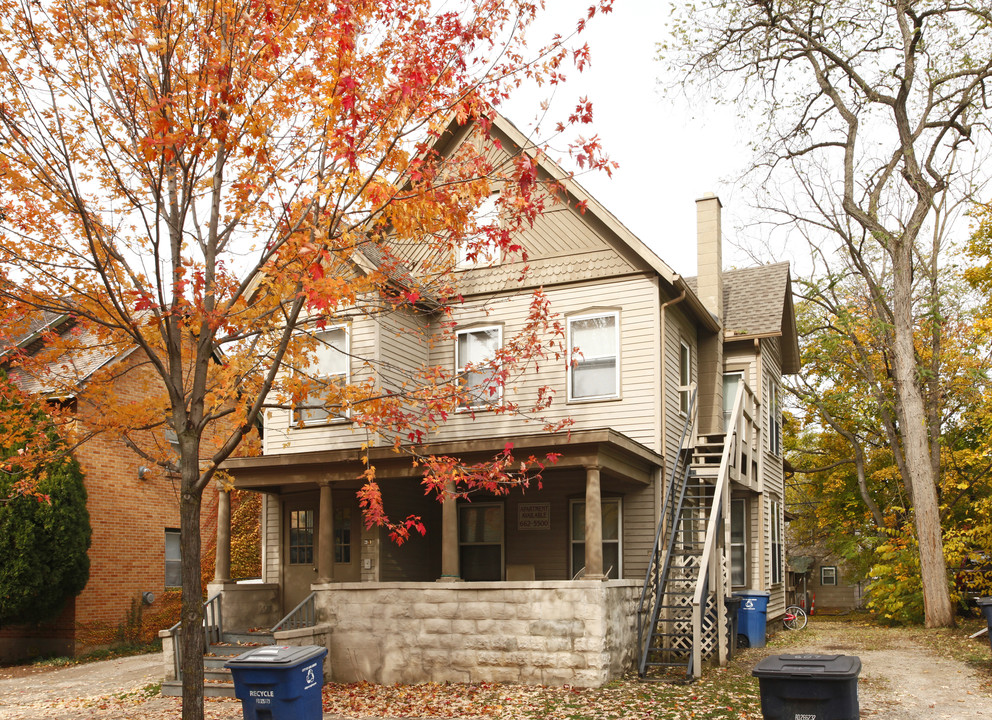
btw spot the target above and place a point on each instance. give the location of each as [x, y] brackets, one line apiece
[202, 187]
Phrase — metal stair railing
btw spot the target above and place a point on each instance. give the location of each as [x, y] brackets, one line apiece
[213, 630]
[656, 578]
[303, 615]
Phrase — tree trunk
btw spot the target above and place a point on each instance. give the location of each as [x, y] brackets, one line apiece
[193, 646]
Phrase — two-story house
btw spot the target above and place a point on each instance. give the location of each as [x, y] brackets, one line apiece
[665, 499]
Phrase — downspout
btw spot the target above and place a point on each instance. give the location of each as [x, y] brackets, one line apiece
[664, 400]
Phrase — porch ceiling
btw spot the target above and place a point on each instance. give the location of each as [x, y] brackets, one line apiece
[615, 454]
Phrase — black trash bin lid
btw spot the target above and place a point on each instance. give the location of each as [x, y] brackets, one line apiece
[269, 655]
[828, 667]
[984, 601]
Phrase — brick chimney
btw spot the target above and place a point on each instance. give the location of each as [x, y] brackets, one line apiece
[709, 254]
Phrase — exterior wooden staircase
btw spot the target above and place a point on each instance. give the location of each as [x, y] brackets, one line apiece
[217, 680]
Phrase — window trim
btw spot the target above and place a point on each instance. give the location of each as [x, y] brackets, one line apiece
[685, 383]
[615, 394]
[774, 419]
[743, 543]
[832, 569]
[777, 546]
[611, 499]
[310, 556]
[176, 563]
[496, 400]
[296, 416]
[494, 256]
[464, 506]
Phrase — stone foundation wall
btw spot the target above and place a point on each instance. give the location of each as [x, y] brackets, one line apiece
[246, 606]
[578, 633]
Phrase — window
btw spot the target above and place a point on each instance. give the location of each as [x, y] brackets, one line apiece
[342, 535]
[774, 420]
[738, 542]
[328, 367]
[685, 377]
[776, 535]
[611, 536]
[731, 382]
[301, 537]
[593, 370]
[828, 575]
[173, 559]
[481, 250]
[480, 541]
[477, 368]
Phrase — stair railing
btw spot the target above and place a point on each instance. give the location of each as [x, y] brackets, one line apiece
[731, 454]
[654, 581]
[303, 615]
[213, 630]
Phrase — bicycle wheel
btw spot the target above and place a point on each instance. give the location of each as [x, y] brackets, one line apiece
[798, 618]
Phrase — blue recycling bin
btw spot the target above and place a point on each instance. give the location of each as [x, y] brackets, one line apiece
[752, 617]
[279, 682]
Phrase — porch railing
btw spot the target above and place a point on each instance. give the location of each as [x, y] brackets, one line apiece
[213, 630]
[303, 615]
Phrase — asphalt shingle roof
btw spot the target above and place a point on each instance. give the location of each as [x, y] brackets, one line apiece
[754, 299]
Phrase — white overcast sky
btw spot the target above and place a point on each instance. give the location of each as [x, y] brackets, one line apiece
[670, 151]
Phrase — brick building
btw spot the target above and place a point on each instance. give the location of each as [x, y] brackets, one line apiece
[134, 514]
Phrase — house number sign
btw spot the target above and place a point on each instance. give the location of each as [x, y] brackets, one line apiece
[534, 516]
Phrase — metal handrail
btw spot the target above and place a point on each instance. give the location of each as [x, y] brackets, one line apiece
[213, 630]
[303, 615]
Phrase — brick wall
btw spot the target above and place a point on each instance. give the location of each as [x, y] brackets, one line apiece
[19, 642]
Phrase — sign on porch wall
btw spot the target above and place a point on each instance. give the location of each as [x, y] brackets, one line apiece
[534, 516]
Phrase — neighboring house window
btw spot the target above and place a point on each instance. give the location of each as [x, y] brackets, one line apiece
[774, 420]
[611, 536]
[342, 535]
[480, 541]
[481, 251]
[777, 548]
[475, 355]
[173, 559]
[738, 542]
[685, 377]
[828, 575]
[301, 537]
[328, 367]
[593, 372]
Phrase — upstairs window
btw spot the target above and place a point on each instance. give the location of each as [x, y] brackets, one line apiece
[685, 377]
[774, 420]
[594, 368]
[477, 367]
[328, 368]
[479, 250]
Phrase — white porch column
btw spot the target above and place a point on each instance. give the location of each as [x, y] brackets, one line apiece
[594, 526]
[222, 565]
[325, 535]
[450, 571]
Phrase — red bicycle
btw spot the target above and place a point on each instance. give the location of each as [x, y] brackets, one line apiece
[795, 618]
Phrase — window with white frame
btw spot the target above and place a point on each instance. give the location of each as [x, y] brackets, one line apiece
[778, 559]
[480, 250]
[480, 541]
[173, 558]
[477, 366]
[738, 542]
[774, 419]
[828, 575]
[685, 376]
[612, 545]
[328, 368]
[594, 368]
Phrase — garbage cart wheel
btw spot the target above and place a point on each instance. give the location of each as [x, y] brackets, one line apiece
[743, 642]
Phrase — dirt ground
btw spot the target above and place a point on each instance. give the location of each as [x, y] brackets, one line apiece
[906, 675]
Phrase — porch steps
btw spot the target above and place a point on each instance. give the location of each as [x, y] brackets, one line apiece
[217, 680]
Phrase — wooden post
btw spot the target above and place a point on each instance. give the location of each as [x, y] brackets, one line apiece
[450, 570]
[222, 566]
[594, 526]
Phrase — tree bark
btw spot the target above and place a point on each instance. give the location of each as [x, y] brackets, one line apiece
[193, 642]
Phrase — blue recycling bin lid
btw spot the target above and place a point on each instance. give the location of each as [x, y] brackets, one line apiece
[275, 656]
[827, 667]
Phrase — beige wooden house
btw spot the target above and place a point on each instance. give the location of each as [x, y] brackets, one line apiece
[583, 580]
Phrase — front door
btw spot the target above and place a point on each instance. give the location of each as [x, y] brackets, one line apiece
[299, 563]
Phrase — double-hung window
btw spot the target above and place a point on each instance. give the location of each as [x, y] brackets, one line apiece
[738, 542]
[594, 367]
[685, 377]
[173, 558]
[328, 370]
[478, 367]
[480, 541]
[828, 575]
[777, 547]
[480, 250]
[774, 420]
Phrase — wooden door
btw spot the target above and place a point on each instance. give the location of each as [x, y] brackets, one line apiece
[299, 544]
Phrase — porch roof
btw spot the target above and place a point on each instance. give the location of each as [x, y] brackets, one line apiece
[615, 454]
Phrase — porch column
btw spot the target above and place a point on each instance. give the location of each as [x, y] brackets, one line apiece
[222, 565]
[594, 526]
[325, 534]
[450, 572]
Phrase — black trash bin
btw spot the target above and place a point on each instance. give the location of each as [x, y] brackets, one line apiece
[733, 605]
[812, 687]
[985, 604]
[280, 682]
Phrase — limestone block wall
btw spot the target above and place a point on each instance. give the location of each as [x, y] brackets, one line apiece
[247, 606]
[541, 633]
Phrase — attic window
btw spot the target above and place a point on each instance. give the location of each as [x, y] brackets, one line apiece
[477, 250]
